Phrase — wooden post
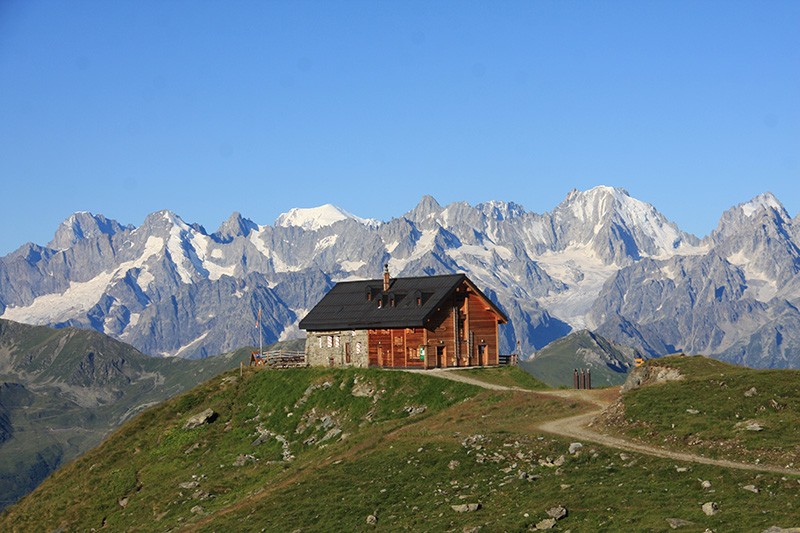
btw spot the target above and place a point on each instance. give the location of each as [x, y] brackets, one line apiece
[241, 368]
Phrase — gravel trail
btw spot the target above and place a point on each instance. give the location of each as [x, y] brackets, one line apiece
[577, 427]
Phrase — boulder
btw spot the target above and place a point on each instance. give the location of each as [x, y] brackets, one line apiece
[557, 512]
[710, 508]
[466, 507]
[574, 447]
[749, 425]
[547, 523]
[243, 459]
[205, 417]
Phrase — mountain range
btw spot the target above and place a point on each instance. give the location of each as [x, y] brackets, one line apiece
[600, 260]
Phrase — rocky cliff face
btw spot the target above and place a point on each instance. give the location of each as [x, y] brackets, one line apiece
[735, 297]
[600, 260]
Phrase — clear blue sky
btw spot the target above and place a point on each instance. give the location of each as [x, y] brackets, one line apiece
[205, 108]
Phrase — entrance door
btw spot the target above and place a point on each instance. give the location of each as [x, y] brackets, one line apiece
[441, 356]
[483, 355]
[347, 353]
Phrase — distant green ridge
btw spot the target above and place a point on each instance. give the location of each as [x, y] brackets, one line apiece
[63, 390]
[555, 363]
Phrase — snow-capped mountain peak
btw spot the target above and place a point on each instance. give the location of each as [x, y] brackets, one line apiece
[314, 218]
[602, 207]
[599, 202]
[765, 201]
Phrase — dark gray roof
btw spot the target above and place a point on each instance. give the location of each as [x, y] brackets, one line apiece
[346, 306]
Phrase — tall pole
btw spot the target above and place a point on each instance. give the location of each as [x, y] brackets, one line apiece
[260, 335]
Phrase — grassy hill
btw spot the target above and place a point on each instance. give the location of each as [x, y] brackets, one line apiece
[63, 390]
[554, 364]
[714, 408]
[363, 449]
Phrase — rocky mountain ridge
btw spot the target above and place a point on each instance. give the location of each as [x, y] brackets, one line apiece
[600, 260]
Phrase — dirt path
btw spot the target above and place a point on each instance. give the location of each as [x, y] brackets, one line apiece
[577, 427]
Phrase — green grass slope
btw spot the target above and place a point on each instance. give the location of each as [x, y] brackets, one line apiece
[62, 390]
[372, 450]
[506, 376]
[709, 408]
[555, 363]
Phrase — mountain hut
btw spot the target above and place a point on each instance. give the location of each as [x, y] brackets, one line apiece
[414, 322]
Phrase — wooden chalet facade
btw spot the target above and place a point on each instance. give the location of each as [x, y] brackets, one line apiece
[416, 322]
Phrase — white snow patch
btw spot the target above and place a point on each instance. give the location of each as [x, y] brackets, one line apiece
[421, 247]
[53, 308]
[760, 286]
[470, 250]
[314, 218]
[762, 201]
[177, 253]
[189, 346]
[584, 273]
[255, 239]
[152, 247]
[145, 279]
[326, 242]
[352, 266]
[391, 246]
[201, 245]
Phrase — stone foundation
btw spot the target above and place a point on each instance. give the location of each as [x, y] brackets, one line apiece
[330, 348]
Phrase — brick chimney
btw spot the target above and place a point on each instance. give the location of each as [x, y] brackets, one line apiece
[386, 277]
